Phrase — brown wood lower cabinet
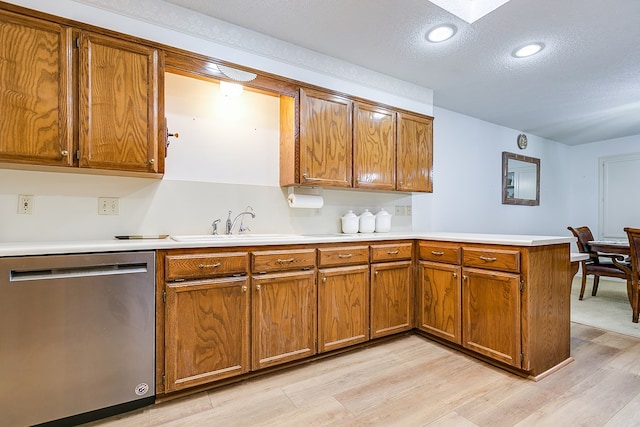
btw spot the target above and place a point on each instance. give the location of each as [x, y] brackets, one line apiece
[343, 307]
[507, 303]
[284, 317]
[207, 331]
[229, 311]
[391, 298]
[439, 300]
[491, 314]
[284, 304]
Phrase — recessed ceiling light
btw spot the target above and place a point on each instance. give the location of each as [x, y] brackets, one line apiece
[528, 50]
[441, 33]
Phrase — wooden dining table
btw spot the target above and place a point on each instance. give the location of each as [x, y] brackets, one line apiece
[610, 246]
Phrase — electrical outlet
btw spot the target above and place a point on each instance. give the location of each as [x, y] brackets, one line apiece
[25, 204]
[408, 210]
[108, 206]
[400, 210]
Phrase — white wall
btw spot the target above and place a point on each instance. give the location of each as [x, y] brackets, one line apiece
[467, 192]
[584, 168]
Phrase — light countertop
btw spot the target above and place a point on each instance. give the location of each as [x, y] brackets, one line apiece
[115, 245]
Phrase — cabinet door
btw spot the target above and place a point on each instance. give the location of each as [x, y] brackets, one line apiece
[439, 300]
[391, 298]
[120, 96]
[374, 147]
[325, 139]
[491, 314]
[284, 317]
[343, 307]
[415, 153]
[35, 91]
[206, 331]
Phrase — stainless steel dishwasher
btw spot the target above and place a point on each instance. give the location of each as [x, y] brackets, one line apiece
[77, 336]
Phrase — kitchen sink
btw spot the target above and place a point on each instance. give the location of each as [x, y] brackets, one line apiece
[224, 237]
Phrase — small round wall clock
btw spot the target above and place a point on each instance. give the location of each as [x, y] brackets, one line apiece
[522, 141]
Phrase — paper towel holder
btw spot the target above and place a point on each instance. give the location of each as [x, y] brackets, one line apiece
[313, 191]
[312, 197]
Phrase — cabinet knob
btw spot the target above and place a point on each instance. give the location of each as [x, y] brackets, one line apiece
[244, 289]
[257, 287]
[152, 161]
[65, 153]
[455, 275]
[324, 279]
[465, 277]
[377, 272]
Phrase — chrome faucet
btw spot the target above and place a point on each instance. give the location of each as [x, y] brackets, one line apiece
[231, 224]
[215, 226]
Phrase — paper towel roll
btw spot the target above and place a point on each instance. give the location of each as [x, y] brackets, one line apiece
[308, 201]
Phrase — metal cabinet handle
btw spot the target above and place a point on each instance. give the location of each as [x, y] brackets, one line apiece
[306, 177]
[152, 161]
[324, 279]
[65, 153]
[488, 258]
[257, 287]
[244, 288]
[455, 275]
[345, 255]
[217, 264]
[396, 252]
[465, 277]
[437, 253]
[377, 272]
[284, 261]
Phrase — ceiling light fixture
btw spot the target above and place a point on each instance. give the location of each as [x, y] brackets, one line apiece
[528, 50]
[235, 74]
[441, 33]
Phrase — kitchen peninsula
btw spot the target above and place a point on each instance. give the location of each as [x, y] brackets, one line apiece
[281, 300]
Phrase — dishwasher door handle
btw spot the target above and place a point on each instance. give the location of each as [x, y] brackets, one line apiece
[73, 272]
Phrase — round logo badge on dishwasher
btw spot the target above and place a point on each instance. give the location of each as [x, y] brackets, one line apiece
[142, 389]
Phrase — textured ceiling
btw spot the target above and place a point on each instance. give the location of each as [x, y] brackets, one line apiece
[583, 87]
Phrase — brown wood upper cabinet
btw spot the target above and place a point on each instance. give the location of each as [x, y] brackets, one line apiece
[338, 142]
[374, 147]
[414, 153]
[119, 105]
[35, 91]
[325, 139]
[115, 91]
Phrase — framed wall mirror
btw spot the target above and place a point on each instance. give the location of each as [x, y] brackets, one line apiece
[520, 180]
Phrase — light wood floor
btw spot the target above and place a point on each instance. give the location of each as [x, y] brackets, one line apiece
[412, 381]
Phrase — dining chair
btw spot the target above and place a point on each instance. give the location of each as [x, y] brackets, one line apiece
[634, 246]
[598, 264]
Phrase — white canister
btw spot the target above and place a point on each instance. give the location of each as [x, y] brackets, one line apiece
[349, 223]
[367, 222]
[383, 221]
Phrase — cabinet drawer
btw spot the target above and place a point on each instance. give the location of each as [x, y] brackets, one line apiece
[201, 266]
[492, 259]
[345, 255]
[295, 259]
[440, 252]
[391, 252]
